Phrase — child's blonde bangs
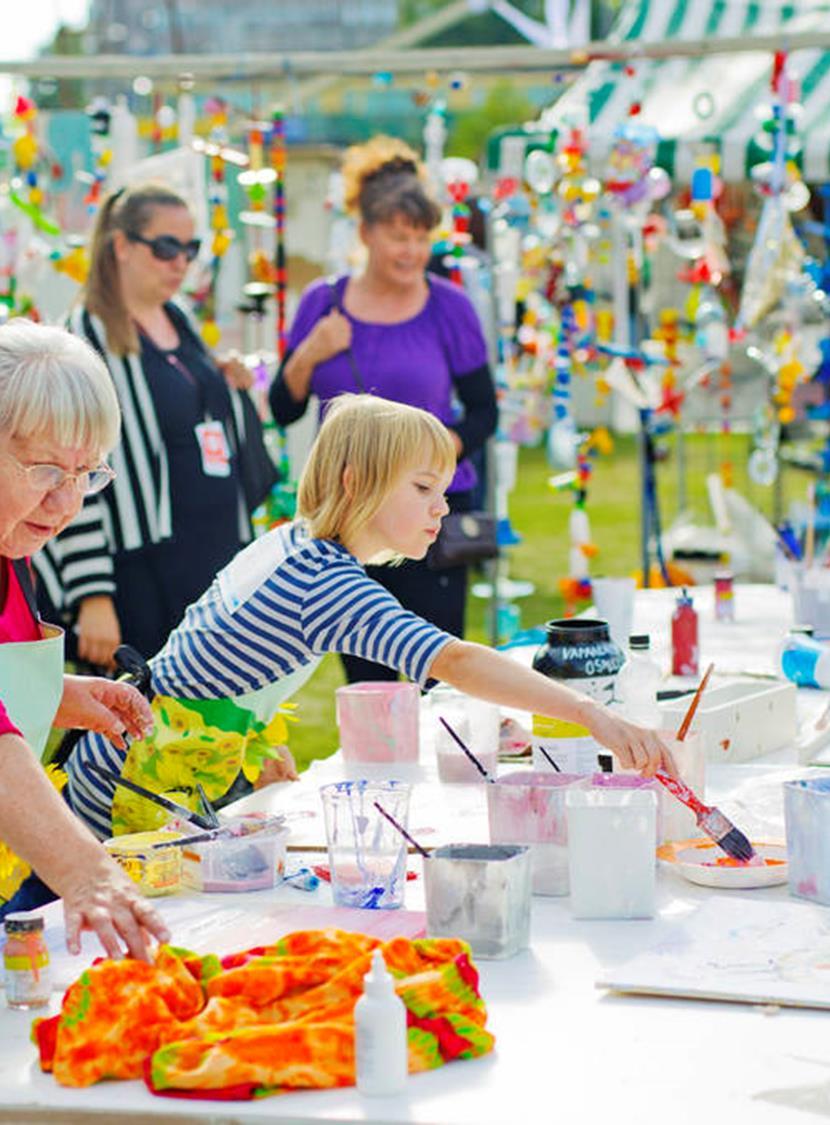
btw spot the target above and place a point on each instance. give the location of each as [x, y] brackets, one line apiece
[377, 440]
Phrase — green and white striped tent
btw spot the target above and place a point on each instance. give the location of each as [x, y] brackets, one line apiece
[674, 94]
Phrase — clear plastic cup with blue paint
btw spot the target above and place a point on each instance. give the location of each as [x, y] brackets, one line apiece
[367, 856]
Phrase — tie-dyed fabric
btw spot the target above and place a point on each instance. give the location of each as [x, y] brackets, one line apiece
[261, 1022]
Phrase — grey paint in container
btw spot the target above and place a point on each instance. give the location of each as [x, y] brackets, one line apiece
[480, 893]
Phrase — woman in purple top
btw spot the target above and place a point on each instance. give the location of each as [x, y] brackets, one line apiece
[400, 333]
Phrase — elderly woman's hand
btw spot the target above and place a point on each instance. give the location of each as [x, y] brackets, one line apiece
[99, 631]
[238, 375]
[103, 899]
[106, 707]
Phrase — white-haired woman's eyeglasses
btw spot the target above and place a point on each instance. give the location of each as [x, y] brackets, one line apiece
[49, 478]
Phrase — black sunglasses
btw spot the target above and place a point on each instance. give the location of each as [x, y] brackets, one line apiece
[167, 247]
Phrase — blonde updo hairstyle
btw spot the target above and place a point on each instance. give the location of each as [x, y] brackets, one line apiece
[383, 179]
[130, 211]
[377, 440]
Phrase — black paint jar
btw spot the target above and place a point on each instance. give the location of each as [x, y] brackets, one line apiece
[578, 652]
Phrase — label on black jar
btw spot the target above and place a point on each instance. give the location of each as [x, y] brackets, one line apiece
[570, 745]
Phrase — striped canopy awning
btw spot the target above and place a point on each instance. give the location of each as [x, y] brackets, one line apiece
[713, 99]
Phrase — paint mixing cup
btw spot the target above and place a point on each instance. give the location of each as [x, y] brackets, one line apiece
[367, 856]
[528, 807]
[632, 782]
[378, 721]
[480, 893]
[676, 821]
[475, 722]
[611, 852]
[614, 603]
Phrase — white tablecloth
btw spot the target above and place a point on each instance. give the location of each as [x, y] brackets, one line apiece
[566, 1051]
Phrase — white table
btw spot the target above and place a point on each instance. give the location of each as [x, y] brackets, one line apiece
[565, 1050]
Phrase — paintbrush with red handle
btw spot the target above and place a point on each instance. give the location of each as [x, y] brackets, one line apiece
[709, 819]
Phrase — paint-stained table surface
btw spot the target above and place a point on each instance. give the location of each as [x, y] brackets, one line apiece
[567, 1051]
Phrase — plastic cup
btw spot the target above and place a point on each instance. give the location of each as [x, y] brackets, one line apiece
[481, 894]
[476, 723]
[378, 721]
[367, 855]
[633, 781]
[528, 807]
[614, 602]
[611, 852]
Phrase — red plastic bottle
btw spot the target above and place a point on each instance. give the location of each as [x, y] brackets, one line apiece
[684, 649]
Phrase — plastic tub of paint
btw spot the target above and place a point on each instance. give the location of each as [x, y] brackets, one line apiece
[481, 894]
[528, 807]
[154, 867]
[250, 858]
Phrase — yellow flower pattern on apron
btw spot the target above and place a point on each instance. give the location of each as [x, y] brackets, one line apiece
[203, 742]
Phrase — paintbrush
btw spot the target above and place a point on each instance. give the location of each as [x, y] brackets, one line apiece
[683, 729]
[717, 827]
[548, 759]
[810, 533]
[710, 820]
[400, 828]
[466, 750]
[156, 798]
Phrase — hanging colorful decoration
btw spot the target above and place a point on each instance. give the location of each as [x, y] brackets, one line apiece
[100, 121]
[26, 155]
[221, 232]
[277, 152]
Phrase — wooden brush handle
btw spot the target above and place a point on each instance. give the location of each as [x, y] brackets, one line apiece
[683, 729]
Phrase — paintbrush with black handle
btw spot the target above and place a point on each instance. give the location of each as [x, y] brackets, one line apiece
[157, 799]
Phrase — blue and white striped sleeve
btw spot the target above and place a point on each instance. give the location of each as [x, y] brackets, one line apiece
[350, 613]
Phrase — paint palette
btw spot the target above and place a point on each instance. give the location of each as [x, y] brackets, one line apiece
[701, 861]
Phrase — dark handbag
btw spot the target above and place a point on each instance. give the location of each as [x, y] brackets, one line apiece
[257, 472]
[465, 538]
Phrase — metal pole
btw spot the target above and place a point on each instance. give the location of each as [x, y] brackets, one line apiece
[274, 66]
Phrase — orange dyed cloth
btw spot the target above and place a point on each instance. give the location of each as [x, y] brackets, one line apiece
[266, 1020]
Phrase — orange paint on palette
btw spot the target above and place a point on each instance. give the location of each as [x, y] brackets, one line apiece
[728, 861]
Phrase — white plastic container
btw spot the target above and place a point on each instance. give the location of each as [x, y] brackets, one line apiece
[611, 853]
[739, 722]
[254, 860]
[381, 1057]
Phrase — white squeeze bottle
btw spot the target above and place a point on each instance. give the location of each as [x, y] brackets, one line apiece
[637, 683]
[381, 1060]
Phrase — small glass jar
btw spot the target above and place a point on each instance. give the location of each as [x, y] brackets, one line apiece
[26, 962]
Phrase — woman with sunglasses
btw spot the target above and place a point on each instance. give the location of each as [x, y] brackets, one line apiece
[59, 418]
[179, 509]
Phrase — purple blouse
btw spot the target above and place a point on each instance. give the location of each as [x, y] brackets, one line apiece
[414, 361]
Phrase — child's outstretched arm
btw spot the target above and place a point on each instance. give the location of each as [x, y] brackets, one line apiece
[481, 671]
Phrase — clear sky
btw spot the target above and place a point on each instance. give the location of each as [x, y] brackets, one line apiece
[23, 36]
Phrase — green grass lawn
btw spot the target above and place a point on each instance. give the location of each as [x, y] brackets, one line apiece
[541, 518]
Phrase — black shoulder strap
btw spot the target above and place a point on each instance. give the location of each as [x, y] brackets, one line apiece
[23, 569]
[335, 304]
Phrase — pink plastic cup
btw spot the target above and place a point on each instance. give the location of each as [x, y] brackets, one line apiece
[528, 807]
[378, 721]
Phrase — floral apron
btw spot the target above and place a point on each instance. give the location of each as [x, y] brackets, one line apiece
[207, 742]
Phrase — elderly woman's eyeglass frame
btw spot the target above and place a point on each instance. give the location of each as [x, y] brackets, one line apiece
[49, 478]
[166, 247]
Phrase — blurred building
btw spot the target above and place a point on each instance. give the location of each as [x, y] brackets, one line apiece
[217, 27]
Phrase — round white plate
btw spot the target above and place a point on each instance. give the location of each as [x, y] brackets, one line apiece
[697, 861]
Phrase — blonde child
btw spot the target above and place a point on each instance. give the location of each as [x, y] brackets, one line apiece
[373, 489]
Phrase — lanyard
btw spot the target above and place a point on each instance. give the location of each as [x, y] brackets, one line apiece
[179, 366]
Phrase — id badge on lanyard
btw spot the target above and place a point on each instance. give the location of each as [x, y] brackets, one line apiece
[214, 448]
[210, 434]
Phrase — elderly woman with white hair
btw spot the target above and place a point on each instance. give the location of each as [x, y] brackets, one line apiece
[59, 418]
